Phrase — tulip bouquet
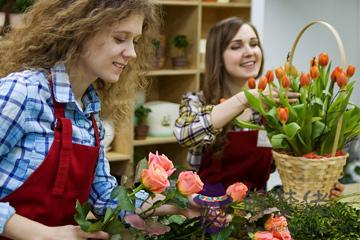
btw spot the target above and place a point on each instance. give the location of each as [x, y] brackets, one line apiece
[159, 184]
[309, 126]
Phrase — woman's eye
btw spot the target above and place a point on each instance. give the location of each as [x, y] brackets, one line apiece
[119, 40]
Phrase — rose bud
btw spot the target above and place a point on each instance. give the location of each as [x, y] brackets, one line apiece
[277, 223]
[189, 183]
[279, 72]
[341, 80]
[270, 76]
[262, 83]
[155, 178]
[350, 71]
[314, 72]
[163, 161]
[323, 59]
[237, 191]
[305, 79]
[285, 82]
[335, 73]
[252, 83]
[283, 114]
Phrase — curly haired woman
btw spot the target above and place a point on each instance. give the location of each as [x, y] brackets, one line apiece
[51, 136]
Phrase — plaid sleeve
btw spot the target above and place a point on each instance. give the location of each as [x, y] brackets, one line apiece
[194, 126]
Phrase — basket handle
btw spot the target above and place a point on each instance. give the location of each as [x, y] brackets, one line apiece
[343, 64]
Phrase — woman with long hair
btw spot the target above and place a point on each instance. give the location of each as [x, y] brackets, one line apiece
[52, 70]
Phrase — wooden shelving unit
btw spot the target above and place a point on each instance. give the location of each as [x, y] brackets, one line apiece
[192, 18]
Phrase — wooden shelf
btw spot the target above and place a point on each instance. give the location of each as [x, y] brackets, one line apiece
[230, 4]
[155, 140]
[168, 72]
[116, 157]
[179, 3]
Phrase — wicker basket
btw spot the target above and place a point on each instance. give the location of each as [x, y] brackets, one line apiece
[307, 179]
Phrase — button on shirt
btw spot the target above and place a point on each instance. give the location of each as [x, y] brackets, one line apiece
[26, 132]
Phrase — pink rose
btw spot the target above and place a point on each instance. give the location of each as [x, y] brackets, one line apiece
[262, 235]
[163, 161]
[155, 178]
[189, 183]
[282, 235]
[237, 191]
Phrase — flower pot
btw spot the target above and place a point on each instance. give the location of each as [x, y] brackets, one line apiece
[306, 179]
[159, 59]
[141, 132]
[179, 62]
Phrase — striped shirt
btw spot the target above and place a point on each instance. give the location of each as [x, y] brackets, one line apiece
[194, 129]
[27, 117]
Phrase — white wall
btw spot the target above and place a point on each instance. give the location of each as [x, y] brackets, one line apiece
[279, 22]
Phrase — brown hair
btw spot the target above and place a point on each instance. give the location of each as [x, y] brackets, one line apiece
[54, 31]
[214, 87]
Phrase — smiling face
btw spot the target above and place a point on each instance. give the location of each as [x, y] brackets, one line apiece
[106, 54]
[243, 56]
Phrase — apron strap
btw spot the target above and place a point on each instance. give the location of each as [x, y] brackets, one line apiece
[64, 125]
[96, 131]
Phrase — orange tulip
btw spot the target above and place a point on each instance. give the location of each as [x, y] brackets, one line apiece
[335, 73]
[237, 191]
[262, 83]
[305, 79]
[341, 80]
[293, 71]
[252, 83]
[314, 72]
[285, 82]
[323, 59]
[189, 183]
[279, 72]
[270, 76]
[350, 71]
[283, 114]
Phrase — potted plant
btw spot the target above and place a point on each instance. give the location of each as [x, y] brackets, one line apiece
[180, 42]
[159, 50]
[308, 136]
[141, 127]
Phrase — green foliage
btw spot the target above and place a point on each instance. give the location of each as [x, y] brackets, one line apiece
[180, 41]
[313, 120]
[142, 113]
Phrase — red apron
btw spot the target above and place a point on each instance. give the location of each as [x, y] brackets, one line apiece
[242, 161]
[49, 195]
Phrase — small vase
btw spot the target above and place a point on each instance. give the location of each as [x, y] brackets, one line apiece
[179, 62]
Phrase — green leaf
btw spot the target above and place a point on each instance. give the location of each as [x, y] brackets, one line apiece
[254, 102]
[178, 219]
[223, 234]
[81, 214]
[291, 129]
[243, 124]
[318, 129]
[108, 214]
[124, 201]
[115, 227]
[142, 164]
[277, 141]
[94, 227]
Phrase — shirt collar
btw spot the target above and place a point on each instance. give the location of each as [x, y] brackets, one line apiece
[63, 92]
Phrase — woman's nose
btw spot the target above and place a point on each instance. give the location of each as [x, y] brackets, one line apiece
[129, 51]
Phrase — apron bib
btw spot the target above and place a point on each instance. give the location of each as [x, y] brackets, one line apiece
[49, 195]
[242, 161]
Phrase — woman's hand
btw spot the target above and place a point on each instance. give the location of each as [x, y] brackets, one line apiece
[337, 190]
[70, 232]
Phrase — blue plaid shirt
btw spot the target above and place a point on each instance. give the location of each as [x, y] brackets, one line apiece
[27, 115]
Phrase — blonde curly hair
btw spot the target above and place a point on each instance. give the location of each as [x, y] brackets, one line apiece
[55, 30]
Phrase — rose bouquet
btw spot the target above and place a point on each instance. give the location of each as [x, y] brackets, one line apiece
[159, 186]
[315, 127]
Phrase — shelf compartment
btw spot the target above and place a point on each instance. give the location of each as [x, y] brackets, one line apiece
[179, 3]
[155, 140]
